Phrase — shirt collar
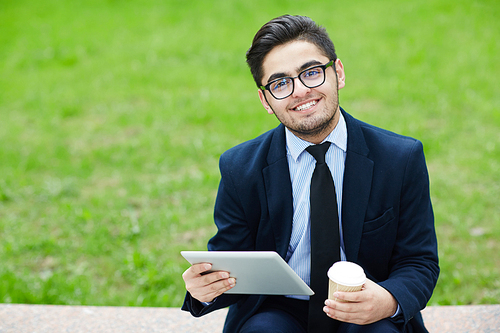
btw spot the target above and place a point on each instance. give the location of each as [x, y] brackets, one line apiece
[295, 145]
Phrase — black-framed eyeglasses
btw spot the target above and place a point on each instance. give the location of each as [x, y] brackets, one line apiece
[311, 78]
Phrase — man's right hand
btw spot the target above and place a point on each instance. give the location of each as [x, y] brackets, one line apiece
[206, 287]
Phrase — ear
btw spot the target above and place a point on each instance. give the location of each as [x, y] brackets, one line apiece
[339, 67]
[264, 102]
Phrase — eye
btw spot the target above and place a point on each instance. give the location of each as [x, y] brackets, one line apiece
[280, 84]
[311, 73]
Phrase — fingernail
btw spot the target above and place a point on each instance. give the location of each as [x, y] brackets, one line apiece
[224, 275]
[232, 282]
[327, 302]
[208, 266]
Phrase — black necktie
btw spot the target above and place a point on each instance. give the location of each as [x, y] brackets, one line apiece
[325, 239]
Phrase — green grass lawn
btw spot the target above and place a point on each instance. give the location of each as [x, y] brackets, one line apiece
[113, 115]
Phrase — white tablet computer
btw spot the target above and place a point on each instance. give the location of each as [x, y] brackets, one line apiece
[256, 272]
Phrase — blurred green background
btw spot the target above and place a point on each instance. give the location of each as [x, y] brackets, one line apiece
[113, 115]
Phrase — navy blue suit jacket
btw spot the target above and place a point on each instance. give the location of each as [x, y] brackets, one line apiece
[387, 216]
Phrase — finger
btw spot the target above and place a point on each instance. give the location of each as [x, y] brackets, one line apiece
[198, 282]
[337, 314]
[210, 278]
[353, 297]
[220, 287]
[345, 312]
[201, 268]
[341, 307]
[209, 292]
[195, 270]
[345, 317]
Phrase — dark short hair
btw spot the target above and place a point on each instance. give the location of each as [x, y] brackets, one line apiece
[281, 30]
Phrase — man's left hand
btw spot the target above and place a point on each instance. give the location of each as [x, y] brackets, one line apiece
[371, 304]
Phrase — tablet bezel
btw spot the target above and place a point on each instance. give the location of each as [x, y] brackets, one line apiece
[256, 272]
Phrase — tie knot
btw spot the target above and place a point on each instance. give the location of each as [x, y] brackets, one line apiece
[319, 151]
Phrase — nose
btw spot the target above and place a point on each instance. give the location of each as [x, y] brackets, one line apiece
[299, 89]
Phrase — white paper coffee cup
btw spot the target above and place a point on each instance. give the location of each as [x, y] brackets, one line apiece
[345, 276]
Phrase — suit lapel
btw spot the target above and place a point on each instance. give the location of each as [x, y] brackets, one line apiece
[356, 189]
[279, 191]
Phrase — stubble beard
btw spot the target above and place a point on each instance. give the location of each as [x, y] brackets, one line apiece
[314, 125]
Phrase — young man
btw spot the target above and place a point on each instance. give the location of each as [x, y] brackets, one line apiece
[267, 201]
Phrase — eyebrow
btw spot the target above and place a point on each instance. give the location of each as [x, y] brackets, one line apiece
[308, 64]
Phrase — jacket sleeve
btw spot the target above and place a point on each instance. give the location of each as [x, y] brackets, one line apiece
[197, 309]
[414, 263]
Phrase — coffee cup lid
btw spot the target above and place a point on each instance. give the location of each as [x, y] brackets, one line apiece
[347, 274]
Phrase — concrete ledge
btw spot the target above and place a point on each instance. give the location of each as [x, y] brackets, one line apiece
[463, 318]
[55, 318]
[79, 319]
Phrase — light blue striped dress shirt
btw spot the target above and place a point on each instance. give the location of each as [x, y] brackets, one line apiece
[301, 165]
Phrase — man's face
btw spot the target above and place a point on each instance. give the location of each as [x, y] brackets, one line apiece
[310, 113]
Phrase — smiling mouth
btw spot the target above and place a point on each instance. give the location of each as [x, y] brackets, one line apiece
[306, 106]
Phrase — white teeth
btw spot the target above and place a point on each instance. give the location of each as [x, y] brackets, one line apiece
[306, 106]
